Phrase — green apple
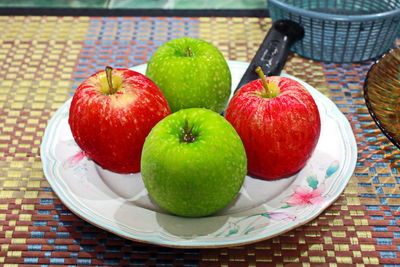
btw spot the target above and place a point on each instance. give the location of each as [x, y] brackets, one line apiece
[193, 163]
[191, 73]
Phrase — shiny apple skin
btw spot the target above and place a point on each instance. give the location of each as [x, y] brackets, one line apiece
[280, 133]
[111, 128]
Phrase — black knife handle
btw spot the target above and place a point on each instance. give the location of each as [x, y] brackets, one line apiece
[273, 51]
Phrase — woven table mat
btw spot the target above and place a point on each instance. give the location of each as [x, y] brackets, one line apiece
[44, 59]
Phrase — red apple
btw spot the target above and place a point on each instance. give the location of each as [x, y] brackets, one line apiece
[279, 124]
[111, 114]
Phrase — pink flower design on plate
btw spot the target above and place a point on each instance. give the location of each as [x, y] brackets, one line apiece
[281, 215]
[306, 195]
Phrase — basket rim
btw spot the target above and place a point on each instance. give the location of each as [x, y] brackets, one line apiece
[334, 17]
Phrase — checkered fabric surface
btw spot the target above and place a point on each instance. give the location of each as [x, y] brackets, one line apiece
[44, 59]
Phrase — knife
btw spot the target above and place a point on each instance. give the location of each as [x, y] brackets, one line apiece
[272, 54]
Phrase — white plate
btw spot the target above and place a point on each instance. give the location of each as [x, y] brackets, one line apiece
[120, 203]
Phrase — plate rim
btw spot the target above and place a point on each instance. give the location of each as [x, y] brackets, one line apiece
[155, 237]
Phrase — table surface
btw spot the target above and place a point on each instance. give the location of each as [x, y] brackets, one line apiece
[43, 59]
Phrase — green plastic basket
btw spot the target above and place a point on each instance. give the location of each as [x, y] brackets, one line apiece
[341, 30]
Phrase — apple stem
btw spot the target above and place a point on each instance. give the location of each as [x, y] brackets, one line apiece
[187, 134]
[109, 79]
[260, 73]
[188, 52]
